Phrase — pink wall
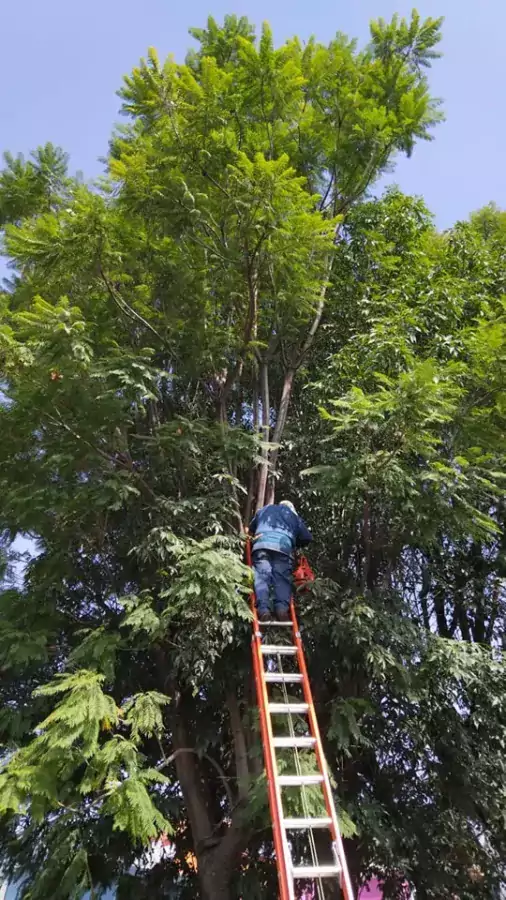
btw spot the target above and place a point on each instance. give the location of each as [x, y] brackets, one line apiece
[371, 891]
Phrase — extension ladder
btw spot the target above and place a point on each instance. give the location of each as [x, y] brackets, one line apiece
[269, 670]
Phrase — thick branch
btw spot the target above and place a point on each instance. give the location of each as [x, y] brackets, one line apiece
[240, 749]
[282, 416]
[297, 360]
[423, 598]
[439, 606]
[252, 478]
[250, 332]
[189, 777]
[330, 185]
[266, 408]
[199, 755]
[315, 324]
[366, 539]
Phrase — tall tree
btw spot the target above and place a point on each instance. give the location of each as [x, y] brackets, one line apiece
[151, 340]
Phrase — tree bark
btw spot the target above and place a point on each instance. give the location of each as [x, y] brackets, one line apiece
[266, 409]
[240, 749]
[282, 416]
[214, 882]
[250, 500]
[189, 777]
[216, 855]
[250, 333]
[439, 607]
[424, 598]
[366, 540]
[217, 866]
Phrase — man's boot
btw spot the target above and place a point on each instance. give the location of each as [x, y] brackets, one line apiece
[283, 615]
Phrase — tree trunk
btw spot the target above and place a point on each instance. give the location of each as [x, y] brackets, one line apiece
[366, 541]
[240, 748]
[218, 864]
[266, 412]
[215, 880]
[439, 606]
[250, 499]
[282, 414]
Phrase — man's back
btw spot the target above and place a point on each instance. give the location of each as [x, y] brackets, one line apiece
[277, 527]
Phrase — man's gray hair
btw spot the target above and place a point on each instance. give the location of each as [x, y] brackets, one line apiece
[289, 504]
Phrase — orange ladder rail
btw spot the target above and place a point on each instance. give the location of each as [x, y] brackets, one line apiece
[273, 791]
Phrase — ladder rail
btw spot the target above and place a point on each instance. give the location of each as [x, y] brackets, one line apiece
[312, 844]
[346, 886]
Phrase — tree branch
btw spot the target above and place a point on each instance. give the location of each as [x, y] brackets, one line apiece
[295, 364]
[200, 755]
[240, 751]
[281, 418]
[124, 306]
[250, 331]
[329, 188]
[114, 460]
[189, 778]
[266, 407]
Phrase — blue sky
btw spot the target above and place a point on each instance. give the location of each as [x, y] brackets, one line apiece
[63, 61]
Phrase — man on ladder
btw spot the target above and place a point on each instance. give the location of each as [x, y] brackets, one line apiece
[277, 532]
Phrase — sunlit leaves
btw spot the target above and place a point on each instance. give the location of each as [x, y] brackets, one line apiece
[143, 712]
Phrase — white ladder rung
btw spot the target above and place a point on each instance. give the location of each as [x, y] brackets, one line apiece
[301, 824]
[299, 780]
[280, 678]
[288, 707]
[294, 741]
[282, 649]
[274, 622]
[315, 871]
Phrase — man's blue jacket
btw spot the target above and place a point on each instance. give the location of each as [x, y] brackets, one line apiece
[276, 527]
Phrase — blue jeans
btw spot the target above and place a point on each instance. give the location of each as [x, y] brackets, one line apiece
[272, 569]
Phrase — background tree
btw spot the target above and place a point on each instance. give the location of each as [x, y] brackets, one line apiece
[151, 338]
[407, 486]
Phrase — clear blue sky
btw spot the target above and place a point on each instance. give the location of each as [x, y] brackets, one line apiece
[62, 62]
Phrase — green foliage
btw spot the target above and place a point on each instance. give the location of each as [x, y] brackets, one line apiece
[404, 433]
[143, 713]
[33, 187]
[72, 759]
[97, 651]
[157, 325]
[80, 716]
[392, 452]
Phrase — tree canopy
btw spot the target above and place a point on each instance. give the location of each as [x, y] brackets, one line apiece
[227, 316]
